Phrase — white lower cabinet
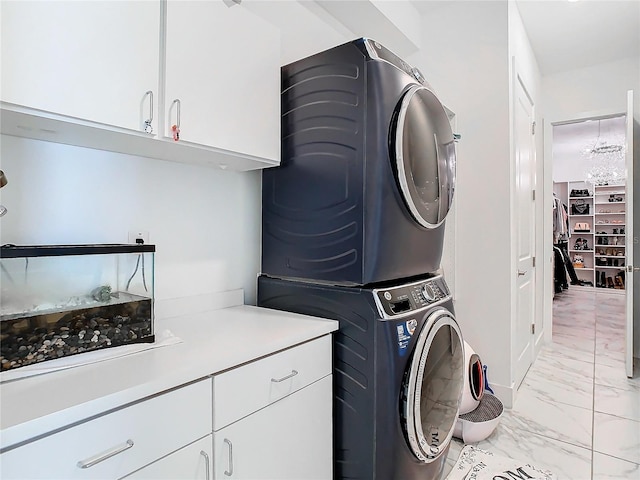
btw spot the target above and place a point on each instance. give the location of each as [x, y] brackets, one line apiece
[116, 444]
[193, 462]
[269, 419]
[290, 439]
[272, 418]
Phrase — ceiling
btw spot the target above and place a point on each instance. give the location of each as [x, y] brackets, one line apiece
[571, 139]
[566, 35]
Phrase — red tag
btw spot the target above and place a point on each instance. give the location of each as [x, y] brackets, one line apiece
[176, 133]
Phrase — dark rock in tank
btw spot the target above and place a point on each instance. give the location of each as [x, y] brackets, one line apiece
[61, 334]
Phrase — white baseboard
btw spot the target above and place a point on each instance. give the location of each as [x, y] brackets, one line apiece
[505, 394]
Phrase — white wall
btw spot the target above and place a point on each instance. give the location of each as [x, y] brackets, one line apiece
[306, 28]
[205, 222]
[596, 88]
[465, 59]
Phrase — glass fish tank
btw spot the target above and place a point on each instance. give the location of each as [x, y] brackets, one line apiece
[62, 300]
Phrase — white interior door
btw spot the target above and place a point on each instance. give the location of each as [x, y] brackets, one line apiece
[629, 237]
[523, 339]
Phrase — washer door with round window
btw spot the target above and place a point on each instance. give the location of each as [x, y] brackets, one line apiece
[432, 387]
[424, 155]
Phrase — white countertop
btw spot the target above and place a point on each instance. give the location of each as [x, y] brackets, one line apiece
[212, 342]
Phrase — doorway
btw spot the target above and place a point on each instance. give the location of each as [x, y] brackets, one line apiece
[591, 226]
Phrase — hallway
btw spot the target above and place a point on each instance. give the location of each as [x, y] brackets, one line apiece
[576, 411]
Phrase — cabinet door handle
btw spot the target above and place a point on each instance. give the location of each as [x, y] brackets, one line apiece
[148, 123]
[176, 102]
[206, 459]
[229, 472]
[278, 380]
[90, 462]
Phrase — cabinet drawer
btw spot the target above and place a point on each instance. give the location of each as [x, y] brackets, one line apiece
[243, 390]
[156, 427]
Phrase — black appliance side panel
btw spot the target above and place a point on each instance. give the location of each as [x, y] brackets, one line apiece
[312, 203]
[354, 373]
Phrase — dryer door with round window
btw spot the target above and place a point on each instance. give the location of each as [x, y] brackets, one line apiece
[432, 386]
[424, 154]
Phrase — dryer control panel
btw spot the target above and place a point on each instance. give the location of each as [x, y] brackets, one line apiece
[379, 52]
[397, 301]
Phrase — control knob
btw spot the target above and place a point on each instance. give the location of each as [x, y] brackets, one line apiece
[428, 292]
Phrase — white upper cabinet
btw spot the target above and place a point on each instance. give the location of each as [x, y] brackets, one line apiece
[223, 67]
[91, 73]
[89, 60]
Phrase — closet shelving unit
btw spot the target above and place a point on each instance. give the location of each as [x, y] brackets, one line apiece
[610, 227]
[606, 236]
[586, 273]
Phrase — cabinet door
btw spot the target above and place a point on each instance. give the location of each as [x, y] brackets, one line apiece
[288, 440]
[190, 462]
[91, 60]
[223, 64]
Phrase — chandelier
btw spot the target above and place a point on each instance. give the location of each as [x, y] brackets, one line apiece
[606, 160]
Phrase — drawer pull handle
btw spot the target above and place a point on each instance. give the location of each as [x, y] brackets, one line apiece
[206, 459]
[278, 380]
[103, 456]
[229, 472]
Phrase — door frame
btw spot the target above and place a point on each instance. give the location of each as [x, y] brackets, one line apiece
[547, 195]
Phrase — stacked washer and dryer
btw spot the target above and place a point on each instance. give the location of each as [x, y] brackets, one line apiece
[353, 230]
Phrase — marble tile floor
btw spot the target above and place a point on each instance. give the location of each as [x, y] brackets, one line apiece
[576, 412]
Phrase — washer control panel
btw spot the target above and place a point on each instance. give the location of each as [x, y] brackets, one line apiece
[400, 300]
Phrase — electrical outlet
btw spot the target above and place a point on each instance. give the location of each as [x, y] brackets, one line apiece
[136, 235]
